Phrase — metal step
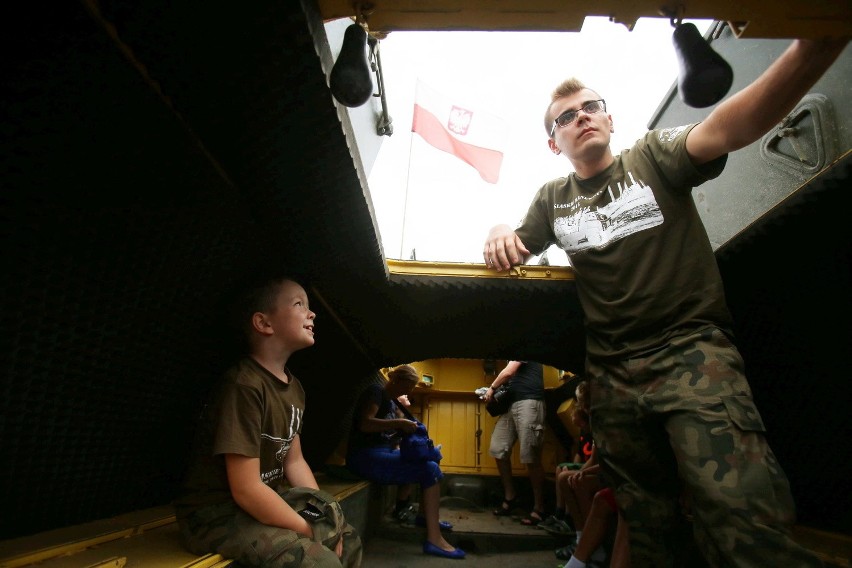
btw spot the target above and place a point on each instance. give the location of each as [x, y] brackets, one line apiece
[476, 528]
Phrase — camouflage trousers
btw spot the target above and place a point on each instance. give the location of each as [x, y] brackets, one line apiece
[682, 422]
[227, 530]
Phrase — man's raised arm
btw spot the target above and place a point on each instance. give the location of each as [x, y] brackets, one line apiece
[756, 109]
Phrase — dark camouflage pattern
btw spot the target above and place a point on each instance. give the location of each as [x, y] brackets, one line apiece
[680, 426]
[228, 530]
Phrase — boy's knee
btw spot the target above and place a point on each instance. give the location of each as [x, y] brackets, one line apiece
[318, 556]
[353, 549]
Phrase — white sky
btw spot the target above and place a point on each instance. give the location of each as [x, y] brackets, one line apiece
[449, 207]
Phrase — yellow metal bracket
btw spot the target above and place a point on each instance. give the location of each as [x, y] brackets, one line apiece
[477, 270]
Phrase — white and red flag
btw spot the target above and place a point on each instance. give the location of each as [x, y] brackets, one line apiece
[474, 137]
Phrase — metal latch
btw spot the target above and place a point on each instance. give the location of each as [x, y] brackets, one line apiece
[804, 141]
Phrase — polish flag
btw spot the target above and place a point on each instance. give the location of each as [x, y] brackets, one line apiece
[472, 136]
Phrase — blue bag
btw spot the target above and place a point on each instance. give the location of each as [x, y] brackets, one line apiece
[419, 447]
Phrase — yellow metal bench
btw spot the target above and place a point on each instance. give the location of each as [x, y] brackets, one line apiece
[147, 538]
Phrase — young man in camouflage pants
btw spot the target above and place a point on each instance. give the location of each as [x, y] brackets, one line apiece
[671, 407]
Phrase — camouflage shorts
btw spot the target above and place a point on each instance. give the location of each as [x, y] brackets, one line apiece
[228, 530]
[681, 422]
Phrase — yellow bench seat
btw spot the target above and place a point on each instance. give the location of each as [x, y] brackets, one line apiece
[147, 538]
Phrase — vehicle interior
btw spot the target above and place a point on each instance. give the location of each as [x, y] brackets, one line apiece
[155, 153]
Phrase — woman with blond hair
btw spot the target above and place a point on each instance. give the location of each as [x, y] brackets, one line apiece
[374, 452]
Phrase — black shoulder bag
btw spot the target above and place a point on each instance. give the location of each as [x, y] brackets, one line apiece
[501, 400]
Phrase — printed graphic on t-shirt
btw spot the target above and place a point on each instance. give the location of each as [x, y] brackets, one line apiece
[629, 209]
[668, 135]
[283, 443]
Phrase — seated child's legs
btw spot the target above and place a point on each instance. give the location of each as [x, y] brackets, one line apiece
[227, 530]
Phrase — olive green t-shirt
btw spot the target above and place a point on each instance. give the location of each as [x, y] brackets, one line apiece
[251, 414]
[644, 266]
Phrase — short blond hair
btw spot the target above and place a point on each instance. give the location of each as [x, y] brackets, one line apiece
[564, 89]
[404, 372]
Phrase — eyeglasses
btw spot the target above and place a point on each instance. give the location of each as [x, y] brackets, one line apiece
[569, 116]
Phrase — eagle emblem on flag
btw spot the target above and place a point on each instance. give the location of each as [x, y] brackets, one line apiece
[459, 120]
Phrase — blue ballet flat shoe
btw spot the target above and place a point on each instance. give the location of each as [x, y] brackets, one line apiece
[420, 521]
[429, 548]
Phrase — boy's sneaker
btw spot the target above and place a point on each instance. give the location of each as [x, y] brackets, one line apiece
[598, 559]
[556, 526]
[548, 521]
[565, 552]
[405, 516]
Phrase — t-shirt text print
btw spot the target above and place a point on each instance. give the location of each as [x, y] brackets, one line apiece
[283, 444]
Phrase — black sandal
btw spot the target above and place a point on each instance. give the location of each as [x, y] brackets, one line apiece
[533, 519]
[506, 508]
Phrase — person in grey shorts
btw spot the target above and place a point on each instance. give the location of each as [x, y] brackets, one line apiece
[523, 423]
